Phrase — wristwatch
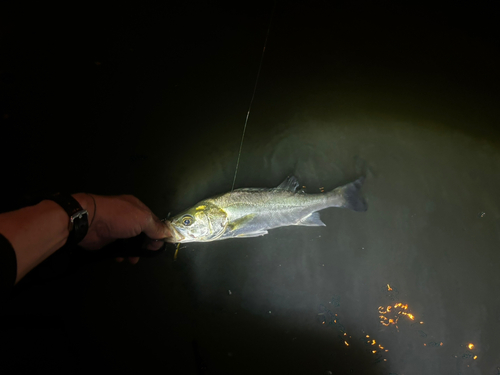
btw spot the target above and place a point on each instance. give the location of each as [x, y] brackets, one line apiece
[78, 217]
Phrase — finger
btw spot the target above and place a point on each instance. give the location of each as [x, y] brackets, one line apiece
[156, 229]
[133, 260]
[154, 244]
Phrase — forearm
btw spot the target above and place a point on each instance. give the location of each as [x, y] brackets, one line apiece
[37, 231]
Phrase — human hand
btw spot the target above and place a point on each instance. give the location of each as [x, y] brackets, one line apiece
[118, 217]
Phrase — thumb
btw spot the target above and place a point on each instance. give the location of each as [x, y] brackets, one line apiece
[156, 229]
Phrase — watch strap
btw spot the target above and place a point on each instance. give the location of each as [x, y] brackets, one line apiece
[78, 217]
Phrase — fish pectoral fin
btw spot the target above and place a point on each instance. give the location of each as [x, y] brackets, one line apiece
[312, 220]
[239, 229]
[253, 234]
[239, 223]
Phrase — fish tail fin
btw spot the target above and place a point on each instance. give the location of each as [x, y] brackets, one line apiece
[348, 196]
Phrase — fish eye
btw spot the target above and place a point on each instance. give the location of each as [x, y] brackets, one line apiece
[187, 220]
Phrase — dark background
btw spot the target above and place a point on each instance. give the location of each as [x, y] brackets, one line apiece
[151, 101]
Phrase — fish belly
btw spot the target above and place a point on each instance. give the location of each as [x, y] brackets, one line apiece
[263, 220]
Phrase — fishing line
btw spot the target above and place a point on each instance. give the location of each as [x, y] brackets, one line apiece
[253, 96]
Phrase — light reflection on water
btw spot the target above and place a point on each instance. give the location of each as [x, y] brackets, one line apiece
[422, 228]
[431, 230]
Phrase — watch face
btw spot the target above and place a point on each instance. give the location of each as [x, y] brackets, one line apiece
[78, 217]
[80, 225]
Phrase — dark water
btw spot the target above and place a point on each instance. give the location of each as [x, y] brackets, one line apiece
[152, 102]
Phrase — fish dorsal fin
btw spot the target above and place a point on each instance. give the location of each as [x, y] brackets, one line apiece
[290, 184]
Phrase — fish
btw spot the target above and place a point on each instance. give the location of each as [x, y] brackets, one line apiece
[251, 212]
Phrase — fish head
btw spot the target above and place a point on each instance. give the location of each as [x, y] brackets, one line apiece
[202, 223]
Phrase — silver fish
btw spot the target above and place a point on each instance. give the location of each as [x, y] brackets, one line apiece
[251, 212]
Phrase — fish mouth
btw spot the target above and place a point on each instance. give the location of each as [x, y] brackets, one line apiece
[176, 235]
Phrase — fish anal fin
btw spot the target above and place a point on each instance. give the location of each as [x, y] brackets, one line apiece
[312, 220]
[290, 184]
